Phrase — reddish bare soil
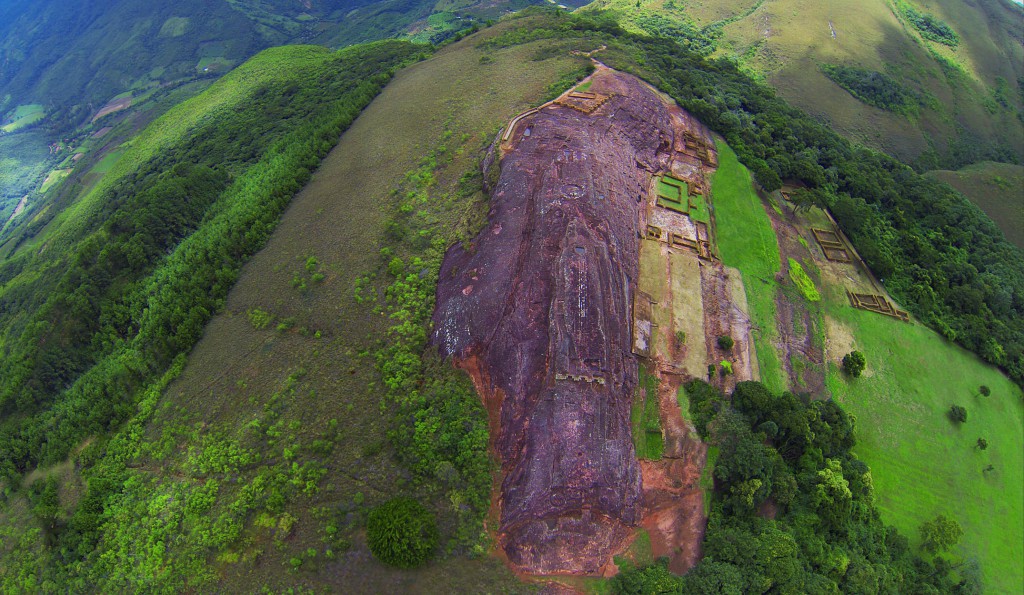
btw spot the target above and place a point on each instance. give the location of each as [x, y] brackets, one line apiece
[673, 500]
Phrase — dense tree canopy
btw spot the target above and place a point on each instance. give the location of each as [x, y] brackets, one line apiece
[825, 536]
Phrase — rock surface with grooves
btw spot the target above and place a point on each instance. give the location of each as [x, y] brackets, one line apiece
[538, 309]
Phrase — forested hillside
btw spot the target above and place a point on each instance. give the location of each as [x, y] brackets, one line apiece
[253, 462]
[934, 83]
[73, 58]
[125, 282]
[68, 70]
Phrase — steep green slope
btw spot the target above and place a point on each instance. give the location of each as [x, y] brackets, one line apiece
[922, 464]
[966, 104]
[111, 298]
[998, 188]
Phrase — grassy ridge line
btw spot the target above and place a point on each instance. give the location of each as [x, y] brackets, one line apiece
[747, 242]
[274, 64]
[176, 300]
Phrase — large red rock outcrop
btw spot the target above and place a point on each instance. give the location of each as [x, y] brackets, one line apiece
[540, 304]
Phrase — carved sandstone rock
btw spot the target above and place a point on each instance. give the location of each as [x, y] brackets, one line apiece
[539, 311]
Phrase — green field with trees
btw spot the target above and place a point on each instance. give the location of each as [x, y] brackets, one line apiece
[923, 463]
[793, 454]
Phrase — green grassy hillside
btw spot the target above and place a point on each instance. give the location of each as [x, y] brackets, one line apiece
[746, 241]
[967, 106]
[104, 306]
[922, 463]
[998, 188]
[254, 462]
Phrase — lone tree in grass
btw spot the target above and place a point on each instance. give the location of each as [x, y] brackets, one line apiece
[940, 534]
[725, 342]
[982, 443]
[854, 363]
[958, 414]
[402, 532]
[984, 390]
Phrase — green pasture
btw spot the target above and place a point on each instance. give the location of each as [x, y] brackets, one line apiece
[174, 27]
[747, 242]
[439, 22]
[53, 178]
[22, 116]
[922, 463]
[214, 63]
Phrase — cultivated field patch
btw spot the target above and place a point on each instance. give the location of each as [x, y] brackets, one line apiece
[22, 117]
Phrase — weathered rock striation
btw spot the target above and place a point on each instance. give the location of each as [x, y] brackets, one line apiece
[538, 309]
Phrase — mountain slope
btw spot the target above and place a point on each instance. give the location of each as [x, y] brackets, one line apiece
[254, 446]
[967, 105]
[103, 306]
[287, 349]
[998, 188]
